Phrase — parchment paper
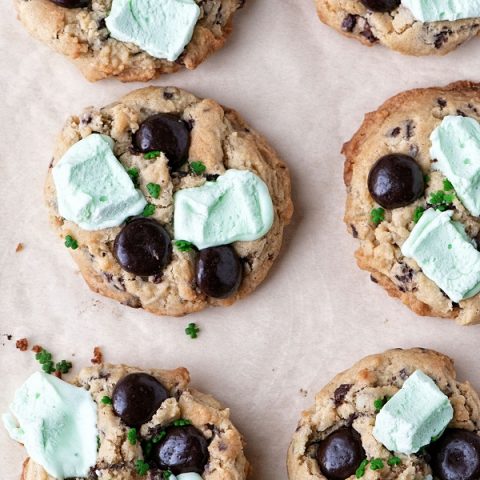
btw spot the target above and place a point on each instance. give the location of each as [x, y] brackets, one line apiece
[306, 88]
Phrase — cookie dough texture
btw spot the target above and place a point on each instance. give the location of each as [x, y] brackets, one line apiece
[397, 30]
[348, 400]
[116, 456]
[403, 125]
[81, 34]
[221, 140]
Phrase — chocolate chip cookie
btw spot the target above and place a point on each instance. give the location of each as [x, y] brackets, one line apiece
[170, 141]
[388, 23]
[79, 30]
[166, 416]
[392, 180]
[335, 439]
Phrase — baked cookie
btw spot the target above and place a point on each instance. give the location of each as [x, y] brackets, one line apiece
[149, 424]
[407, 27]
[132, 40]
[400, 396]
[200, 220]
[400, 176]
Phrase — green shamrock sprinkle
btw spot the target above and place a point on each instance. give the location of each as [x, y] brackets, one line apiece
[360, 472]
[192, 330]
[141, 467]
[154, 189]
[376, 464]
[151, 155]
[70, 242]
[392, 461]
[197, 168]
[134, 173]
[182, 422]
[417, 214]
[447, 185]
[183, 245]
[106, 400]
[63, 366]
[149, 210]
[132, 436]
[377, 215]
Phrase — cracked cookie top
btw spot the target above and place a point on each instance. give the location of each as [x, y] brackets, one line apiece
[346, 411]
[170, 141]
[389, 23]
[394, 143]
[191, 423]
[78, 29]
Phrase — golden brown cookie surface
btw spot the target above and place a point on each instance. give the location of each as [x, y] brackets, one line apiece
[81, 34]
[222, 141]
[349, 401]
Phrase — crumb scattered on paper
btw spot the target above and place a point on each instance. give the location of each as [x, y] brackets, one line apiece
[97, 356]
[22, 344]
[19, 247]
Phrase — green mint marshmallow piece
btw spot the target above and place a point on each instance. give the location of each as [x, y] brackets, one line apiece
[56, 422]
[441, 10]
[445, 254]
[93, 189]
[237, 207]
[162, 28]
[418, 412]
[456, 147]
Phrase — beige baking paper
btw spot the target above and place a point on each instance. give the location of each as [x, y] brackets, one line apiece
[306, 88]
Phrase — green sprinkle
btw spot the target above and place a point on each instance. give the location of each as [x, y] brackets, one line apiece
[379, 403]
[376, 463]
[142, 467]
[197, 168]
[361, 469]
[98, 443]
[192, 330]
[147, 447]
[159, 436]
[392, 461]
[43, 356]
[70, 242]
[426, 179]
[417, 214]
[377, 215]
[154, 189]
[441, 200]
[133, 174]
[149, 210]
[106, 400]
[63, 366]
[132, 436]
[151, 155]
[447, 185]
[182, 422]
[167, 474]
[449, 246]
[48, 367]
[183, 245]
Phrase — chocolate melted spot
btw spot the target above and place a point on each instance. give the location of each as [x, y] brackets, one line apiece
[340, 393]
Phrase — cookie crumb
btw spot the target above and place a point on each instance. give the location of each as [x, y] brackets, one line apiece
[19, 247]
[37, 348]
[97, 356]
[22, 344]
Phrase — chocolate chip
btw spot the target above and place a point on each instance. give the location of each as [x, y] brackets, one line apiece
[182, 449]
[340, 393]
[143, 247]
[349, 23]
[441, 38]
[136, 397]
[219, 271]
[441, 103]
